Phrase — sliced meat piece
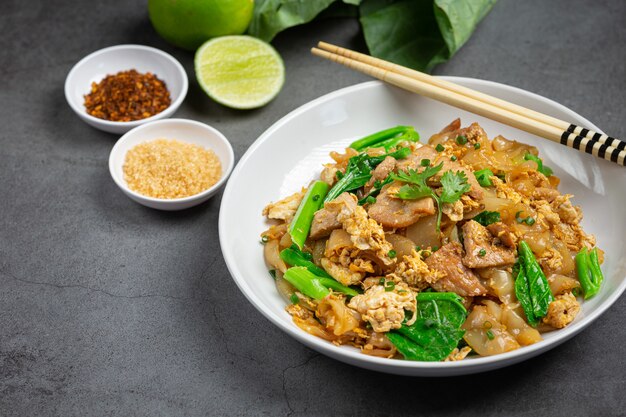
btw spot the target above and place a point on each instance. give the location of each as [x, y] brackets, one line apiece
[480, 249]
[415, 158]
[458, 278]
[381, 172]
[504, 233]
[393, 212]
[325, 219]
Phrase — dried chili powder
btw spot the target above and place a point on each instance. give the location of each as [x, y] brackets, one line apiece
[126, 96]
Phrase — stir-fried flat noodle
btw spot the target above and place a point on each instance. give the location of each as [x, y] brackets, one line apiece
[435, 231]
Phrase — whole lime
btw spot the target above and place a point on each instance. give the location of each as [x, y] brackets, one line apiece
[188, 23]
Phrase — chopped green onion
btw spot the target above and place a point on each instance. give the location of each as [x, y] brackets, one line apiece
[434, 248]
[264, 239]
[589, 272]
[483, 177]
[392, 253]
[487, 325]
[389, 286]
[490, 335]
[547, 171]
[482, 252]
[461, 140]
[425, 162]
[418, 248]
[370, 199]
[272, 273]
[453, 158]
[529, 221]
[439, 148]
[477, 145]
[381, 281]
[294, 299]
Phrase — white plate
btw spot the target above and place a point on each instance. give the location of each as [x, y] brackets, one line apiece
[290, 153]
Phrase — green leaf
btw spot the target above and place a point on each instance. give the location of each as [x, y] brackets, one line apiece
[487, 217]
[531, 286]
[436, 331]
[273, 16]
[420, 33]
[454, 186]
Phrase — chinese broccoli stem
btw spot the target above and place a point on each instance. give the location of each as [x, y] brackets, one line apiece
[589, 272]
[293, 258]
[312, 201]
[375, 138]
[306, 282]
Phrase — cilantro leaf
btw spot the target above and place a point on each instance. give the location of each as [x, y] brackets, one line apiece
[415, 191]
[413, 176]
[454, 186]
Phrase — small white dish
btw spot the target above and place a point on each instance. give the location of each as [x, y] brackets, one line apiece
[291, 153]
[109, 61]
[188, 131]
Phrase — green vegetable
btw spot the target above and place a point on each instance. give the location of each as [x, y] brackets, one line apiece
[436, 331]
[301, 223]
[378, 185]
[439, 147]
[461, 140]
[445, 307]
[487, 217]
[272, 273]
[483, 177]
[477, 145]
[273, 16]
[482, 252]
[392, 253]
[528, 220]
[297, 258]
[389, 286]
[589, 272]
[490, 335]
[419, 34]
[386, 138]
[453, 158]
[454, 185]
[547, 171]
[306, 282]
[531, 286]
[359, 172]
[294, 299]
[264, 239]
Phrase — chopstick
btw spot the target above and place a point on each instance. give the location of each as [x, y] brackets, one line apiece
[551, 128]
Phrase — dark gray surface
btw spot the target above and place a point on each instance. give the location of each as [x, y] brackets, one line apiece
[110, 308]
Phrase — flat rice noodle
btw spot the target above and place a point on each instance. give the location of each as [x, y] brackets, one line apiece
[501, 284]
[338, 240]
[271, 252]
[476, 326]
[336, 316]
[560, 284]
[402, 245]
[424, 232]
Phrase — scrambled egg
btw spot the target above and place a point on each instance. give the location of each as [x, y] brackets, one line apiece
[385, 309]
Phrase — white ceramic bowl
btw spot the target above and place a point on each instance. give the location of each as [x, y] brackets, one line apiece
[183, 130]
[291, 153]
[108, 61]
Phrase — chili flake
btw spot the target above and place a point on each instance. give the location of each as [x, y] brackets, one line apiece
[126, 96]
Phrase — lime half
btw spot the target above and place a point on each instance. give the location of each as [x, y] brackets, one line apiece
[241, 72]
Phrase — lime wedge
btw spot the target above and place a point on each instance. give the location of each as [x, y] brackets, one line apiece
[241, 72]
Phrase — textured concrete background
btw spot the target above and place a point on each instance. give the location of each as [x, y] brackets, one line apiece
[110, 308]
